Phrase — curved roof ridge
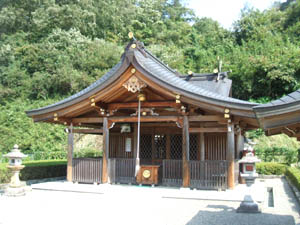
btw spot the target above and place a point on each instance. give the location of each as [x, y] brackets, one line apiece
[182, 84]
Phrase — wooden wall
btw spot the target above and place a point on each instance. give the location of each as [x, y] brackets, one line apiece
[167, 145]
[215, 146]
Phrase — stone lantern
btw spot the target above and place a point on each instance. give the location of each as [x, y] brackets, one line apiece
[248, 205]
[16, 187]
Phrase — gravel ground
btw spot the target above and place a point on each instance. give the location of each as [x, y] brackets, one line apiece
[115, 204]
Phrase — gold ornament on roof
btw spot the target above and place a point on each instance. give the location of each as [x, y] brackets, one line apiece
[130, 35]
[133, 84]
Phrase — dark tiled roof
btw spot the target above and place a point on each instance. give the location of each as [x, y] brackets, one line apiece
[210, 82]
[141, 58]
[288, 103]
[164, 74]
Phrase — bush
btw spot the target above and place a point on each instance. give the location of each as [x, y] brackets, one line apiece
[43, 169]
[87, 153]
[4, 174]
[270, 168]
[293, 175]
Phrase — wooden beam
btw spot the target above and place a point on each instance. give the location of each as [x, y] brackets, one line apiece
[144, 119]
[88, 131]
[126, 105]
[230, 155]
[206, 118]
[105, 177]
[129, 119]
[185, 152]
[88, 120]
[70, 154]
[207, 129]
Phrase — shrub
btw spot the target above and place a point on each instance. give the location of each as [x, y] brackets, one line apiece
[293, 175]
[43, 169]
[270, 168]
[4, 174]
[87, 153]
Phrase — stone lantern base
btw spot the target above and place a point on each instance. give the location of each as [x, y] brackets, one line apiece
[248, 205]
[17, 191]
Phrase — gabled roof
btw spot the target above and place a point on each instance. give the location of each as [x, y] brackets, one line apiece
[154, 69]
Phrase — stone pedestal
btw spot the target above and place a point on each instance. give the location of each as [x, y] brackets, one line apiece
[248, 205]
[21, 190]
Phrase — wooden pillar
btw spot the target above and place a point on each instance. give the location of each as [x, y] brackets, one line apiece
[186, 152]
[240, 143]
[70, 153]
[230, 155]
[168, 147]
[105, 177]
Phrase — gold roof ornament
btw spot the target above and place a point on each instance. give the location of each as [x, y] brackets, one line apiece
[133, 46]
[190, 72]
[177, 99]
[55, 117]
[216, 70]
[133, 84]
[133, 70]
[130, 35]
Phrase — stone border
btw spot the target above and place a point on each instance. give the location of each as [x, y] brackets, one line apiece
[29, 182]
[294, 189]
[262, 176]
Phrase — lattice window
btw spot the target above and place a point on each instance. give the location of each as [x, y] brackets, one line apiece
[193, 146]
[160, 142]
[146, 146]
[176, 146]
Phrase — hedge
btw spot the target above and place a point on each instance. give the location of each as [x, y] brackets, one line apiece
[271, 168]
[43, 169]
[37, 170]
[293, 175]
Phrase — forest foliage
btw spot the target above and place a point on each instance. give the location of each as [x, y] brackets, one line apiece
[50, 49]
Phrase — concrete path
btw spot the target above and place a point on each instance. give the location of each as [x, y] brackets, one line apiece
[67, 203]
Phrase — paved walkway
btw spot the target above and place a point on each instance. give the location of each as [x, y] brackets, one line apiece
[67, 203]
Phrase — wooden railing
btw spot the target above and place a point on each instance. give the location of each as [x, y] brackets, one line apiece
[209, 174]
[87, 170]
[122, 170]
[172, 173]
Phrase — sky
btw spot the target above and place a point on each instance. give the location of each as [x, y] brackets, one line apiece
[226, 11]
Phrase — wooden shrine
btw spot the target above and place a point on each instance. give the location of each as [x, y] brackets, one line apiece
[182, 130]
